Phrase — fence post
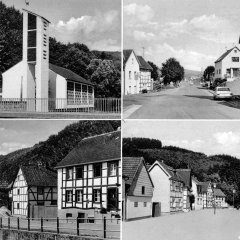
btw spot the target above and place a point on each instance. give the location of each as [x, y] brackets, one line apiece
[41, 224]
[57, 225]
[8, 222]
[18, 225]
[104, 228]
[77, 227]
[28, 224]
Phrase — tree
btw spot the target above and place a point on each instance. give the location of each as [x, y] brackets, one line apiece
[172, 71]
[208, 73]
[106, 77]
[156, 73]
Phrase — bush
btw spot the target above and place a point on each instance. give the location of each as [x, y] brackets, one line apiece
[144, 91]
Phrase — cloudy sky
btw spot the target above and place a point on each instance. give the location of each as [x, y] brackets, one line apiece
[196, 32]
[17, 134]
[209, 137]
[96, 23]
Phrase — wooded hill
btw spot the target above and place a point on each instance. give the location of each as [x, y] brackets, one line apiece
[74, 56]
[54, 149]
[222, 169]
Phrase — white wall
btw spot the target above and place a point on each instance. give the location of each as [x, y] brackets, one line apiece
[161, 191]
[131, 85]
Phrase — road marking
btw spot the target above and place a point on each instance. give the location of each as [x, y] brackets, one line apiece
[131, 110]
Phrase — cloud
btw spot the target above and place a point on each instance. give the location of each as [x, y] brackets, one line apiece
[105, 45]
[227, 138]
[12, 146]
[89, 29]
[143, 36]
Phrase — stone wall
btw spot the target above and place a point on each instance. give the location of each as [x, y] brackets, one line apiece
[6, 234]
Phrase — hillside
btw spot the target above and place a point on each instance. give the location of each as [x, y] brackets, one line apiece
[222, 169]
[73, 56]
[54, 149]
[192, 73]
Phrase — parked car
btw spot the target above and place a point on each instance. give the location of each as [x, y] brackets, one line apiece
[222, 93]
[144, 91]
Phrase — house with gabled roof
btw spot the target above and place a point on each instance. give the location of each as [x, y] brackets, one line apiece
[198, 194]
[34, 192]
[168, 187]
[228, 65]
[219, 198]
[136, 73]
[89, 178]
[207, 194]
[137, 189]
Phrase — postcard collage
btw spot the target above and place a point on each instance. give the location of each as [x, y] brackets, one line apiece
[119, 119]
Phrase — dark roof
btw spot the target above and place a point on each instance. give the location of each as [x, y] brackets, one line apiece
[218, 192]
[143, 64]
[205, 186]
[131, 168]
[126, 54]
[68, 74]
[35, 14]
[185, 175]
[39, 176]
[225, 54]
[104, 147]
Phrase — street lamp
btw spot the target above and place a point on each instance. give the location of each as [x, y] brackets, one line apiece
[214, 197]
[234, 191]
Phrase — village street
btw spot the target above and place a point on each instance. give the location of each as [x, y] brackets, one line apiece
[185, 102]
[195, 225]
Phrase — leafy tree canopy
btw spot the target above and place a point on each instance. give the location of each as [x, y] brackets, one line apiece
[156, 73]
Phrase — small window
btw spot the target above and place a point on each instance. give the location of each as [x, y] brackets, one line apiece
[96, 195]
[79, 196]
[79, 172]
[40, 190]
[130, 74]
[235, 59]
[17, 205]
[97, 168]
[135, 204]
[112, 169]
[143, 190]
[18, 191]
[69, 196]
[145, 204]
[40, 203]
[69, 173]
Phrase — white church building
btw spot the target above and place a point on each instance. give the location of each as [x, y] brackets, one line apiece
[34, 78]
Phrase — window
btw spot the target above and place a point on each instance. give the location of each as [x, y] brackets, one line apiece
[69, 173]
[235, 59]
[79, 172]
[97, 168]
[68, 196]
[145, 204]
[40, 190]
[135, 204]
[112, 169]
[79, 196]
[17, 205]
[18, 191]
[135, 76]
[132, 61]
[130, 74]
[143, 190]
[32, 21]
[96, 195]
[40, 203]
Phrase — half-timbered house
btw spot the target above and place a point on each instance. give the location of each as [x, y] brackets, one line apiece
[89, 177]
[219, 198]
[168, 187]
[197, 192]
[34, 192]
[138, 189]
[207, 194]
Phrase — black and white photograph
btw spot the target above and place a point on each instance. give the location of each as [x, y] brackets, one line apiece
[61, 180]
[181, 59]
[60, 59]
[181, 180]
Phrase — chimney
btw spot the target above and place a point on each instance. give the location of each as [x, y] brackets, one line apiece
[36, 57]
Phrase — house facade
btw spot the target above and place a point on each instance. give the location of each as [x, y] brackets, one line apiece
[138, 189]
[198, 195]
[219, 198]
[168, 187]
[207, 194]
[137, 73]
[228, 65]
[34, 77]
[89, 178]
[34, 192]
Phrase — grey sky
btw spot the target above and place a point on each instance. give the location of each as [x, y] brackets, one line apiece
[209, 137]
[96, 23]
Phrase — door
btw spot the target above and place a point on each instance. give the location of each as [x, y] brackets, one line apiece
[81, 217]
[112, 199]
[156, 209]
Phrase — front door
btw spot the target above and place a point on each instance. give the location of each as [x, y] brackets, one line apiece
[112, 199]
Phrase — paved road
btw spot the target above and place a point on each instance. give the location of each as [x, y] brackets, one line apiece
[185, 102]
[196, 225]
